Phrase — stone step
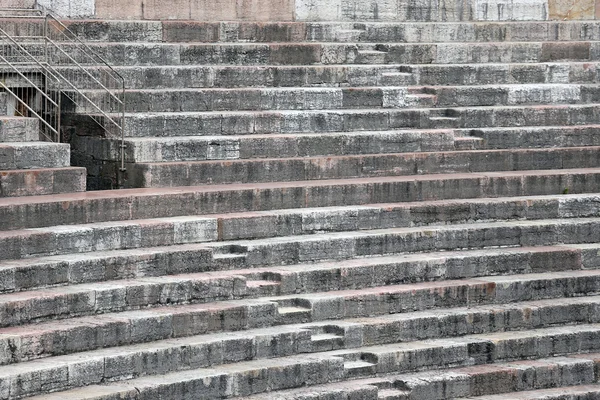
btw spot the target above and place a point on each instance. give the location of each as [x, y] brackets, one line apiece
[327, 121]
[468, 143]
[342, 53]
[490, 95]
[18, 129]
[190, 100]
[133, 234]
[241, 76]
[187, 100]
[41, 181]
[27, 270]
[534, 137]
[232, 147]
[514, 380]
[131, 204]
[273, 146]
[29, 155]
[344, 245]
[504, 73]
[255, 320]
[326, 367]
[164, 173]
[130, 294]
[231, 31]
[582, 392]
[103, 236]
[232, 76]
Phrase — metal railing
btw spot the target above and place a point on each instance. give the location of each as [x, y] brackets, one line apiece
[34, 90]
[36, 46]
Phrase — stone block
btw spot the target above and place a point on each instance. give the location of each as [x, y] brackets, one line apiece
[69, 8]
[571, 9]
[265, 10]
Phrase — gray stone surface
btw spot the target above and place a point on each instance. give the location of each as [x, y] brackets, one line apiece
[362, 209]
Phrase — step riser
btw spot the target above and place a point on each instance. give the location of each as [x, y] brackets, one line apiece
[43, 155]
[335, 144]
[286, 122]
[191, 31]
[528, 137]
[432, 239]
[329, 367]
[18, 309]
[266, 100]
[15, 129]
[19, 277]
[38, 182]
[189, 202]
[501, 381]
[270, 146]
[148, 77]
[39, 343]
[193, 174]
[497, 74]
[356, 98]
[82, 239]
[334, 53]
[203, 76]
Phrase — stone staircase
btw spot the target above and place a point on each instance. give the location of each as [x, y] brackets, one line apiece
[30, 167]
[335, 211]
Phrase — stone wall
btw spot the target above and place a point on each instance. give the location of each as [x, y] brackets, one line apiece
[332, 10]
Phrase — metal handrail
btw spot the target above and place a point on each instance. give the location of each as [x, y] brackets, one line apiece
[78, 67]
[79, 54]
[49, 108]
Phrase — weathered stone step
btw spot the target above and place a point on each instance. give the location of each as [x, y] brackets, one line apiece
[231, 76]
[29, 155]
[347, 120]
[326, 367]
[241, 76]
[101, 265]
[343, 53]
[344, 245]
[197, 31]
[261, 321]
[504, 73]
[582, 392]
[265, 99]
[193, 173]
[535, 137]
[41, 181]
[132, 294]
[18, 129]
[490, 95]
[510, 380]
[95, 266]
[274, 146]
[233, 147]
[103, 236]
[189, 100]
[130, 204]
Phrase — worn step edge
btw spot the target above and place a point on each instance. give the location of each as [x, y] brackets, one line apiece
[134, 294]
[121, 205]
[250, 318]
[300, 370]
[130, 234]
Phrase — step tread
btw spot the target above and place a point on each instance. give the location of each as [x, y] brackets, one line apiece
[128, 193]
[334, 157]
[562, 393]
[358, 110]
